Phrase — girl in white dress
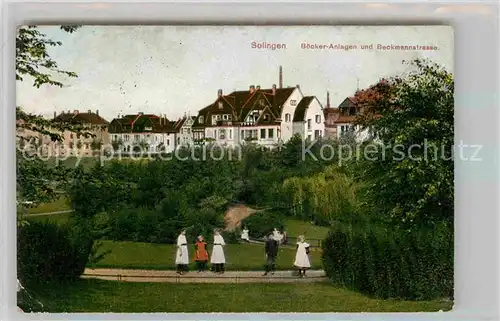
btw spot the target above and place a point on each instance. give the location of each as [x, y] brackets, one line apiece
[244, 235]
[302, 261]
[182, 256]
[218, 258]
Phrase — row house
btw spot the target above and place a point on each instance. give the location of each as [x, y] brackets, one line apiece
[89, 122]
[72, 143]
[146, 132]
[263, 116]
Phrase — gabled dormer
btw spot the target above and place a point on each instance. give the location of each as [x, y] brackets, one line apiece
[349, 107]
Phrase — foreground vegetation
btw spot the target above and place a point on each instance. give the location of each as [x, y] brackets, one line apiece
[93, 296]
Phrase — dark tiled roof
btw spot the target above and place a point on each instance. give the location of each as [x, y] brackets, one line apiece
[300, 111]
[239, 103]
[138, 123]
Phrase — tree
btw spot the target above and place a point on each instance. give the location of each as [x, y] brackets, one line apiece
[36, 181]
[408, 178]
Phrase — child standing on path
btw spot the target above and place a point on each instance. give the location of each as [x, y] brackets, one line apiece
[201, 254]
[302, 261]
[218, 258]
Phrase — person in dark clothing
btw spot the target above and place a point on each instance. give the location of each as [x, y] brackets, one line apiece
[271, 253]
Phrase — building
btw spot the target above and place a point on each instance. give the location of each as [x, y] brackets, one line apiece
[184, 130]
[74, 144]
[348, 110]
[148, 133]
[331, 114]
[262, 116]
[308, 119]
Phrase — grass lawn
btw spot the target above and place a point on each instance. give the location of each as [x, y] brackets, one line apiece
[55, 218]
[295, 228]
[239, 257]
[93, 296]
[60, 204]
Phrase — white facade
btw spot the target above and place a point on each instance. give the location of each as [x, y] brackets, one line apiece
[223, 135]
[185, 135]
[313, 125]
[287, 113]
[359, 134]
[265, 135]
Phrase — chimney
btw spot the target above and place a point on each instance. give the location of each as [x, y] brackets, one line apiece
[281, 77]
[97, 112]
[252, 89]
[69, 111]
[258, 87]
[327, 99]
[219, 93]
[298, 87]
[55, 115]
[89, 111]
[274, 89]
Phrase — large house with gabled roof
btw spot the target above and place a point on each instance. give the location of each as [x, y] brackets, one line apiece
[263, 116]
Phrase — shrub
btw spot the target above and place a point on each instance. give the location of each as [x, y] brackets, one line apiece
[261, 223]
[391, 263]
[51, 252]
[231, 237]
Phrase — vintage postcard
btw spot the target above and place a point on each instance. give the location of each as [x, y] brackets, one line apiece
[235, 168]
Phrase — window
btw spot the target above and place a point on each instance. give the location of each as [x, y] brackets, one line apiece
[136, 138]
[242, 134]
[293, 102]
[270, 133]
[266, 117]
[317, 134]
[308, 137]
[200, 120]
[222, 134]
[220, 105]
[71, 136]
[224, 117]
[148, 136]
[215, 133]
[126, 138]
[261, 102]
[318, 119]
[308, 124]
[263, 133]
[168, 142]
[230, 134]
[254, 133]
[218, 117]
[288, 118]
[178, 140]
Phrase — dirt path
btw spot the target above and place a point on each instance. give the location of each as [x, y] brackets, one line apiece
[204, 277]
[236, 214]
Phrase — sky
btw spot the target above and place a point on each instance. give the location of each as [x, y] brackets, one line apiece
[174, 70]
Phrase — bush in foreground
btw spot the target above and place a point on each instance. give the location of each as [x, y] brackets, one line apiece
[389, 263]
[47, 252]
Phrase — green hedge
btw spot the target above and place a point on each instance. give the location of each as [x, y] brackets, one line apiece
[48, 252]
[261, 223]
[388, 263]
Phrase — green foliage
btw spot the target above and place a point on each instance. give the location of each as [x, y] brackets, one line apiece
[264, 222]
[391, 263]
[323, 198]
[47, 252]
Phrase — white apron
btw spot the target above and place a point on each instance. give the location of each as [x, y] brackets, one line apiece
[301, 258]
[218, 256]
[182, 256]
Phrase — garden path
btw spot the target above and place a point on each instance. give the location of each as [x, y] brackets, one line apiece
[203, 277]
